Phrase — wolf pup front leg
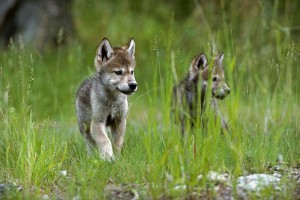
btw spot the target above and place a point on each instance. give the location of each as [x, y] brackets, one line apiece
[102, 99]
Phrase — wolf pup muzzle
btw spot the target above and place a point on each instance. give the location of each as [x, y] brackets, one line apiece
[129, 88]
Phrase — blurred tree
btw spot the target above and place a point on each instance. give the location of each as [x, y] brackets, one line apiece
[38, 22]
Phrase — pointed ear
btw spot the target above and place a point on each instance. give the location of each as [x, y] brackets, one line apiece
[220, 58]
[131, 48]
[104, 51]
[200, 62]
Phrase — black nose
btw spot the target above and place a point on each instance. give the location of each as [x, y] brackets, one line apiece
[132, 86]
[228, 91]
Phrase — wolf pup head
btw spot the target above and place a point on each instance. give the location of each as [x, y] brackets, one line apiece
[219, 88]
[115, 66]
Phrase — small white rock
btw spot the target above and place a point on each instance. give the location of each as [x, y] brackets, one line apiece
[77, 197]
[180, 187]
[45, 197]
[256, 182]
[199, 177]
[215, 176]
[64, 172]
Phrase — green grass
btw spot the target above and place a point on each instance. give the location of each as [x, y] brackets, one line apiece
[39, 133]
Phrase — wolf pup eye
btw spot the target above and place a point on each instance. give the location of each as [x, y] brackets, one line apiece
[119, 72]
[132, 72]
[214, 79]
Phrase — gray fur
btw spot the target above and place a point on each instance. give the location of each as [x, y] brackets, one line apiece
[102, 99]
[188, 97]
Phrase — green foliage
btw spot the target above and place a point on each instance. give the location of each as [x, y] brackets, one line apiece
[39, 134]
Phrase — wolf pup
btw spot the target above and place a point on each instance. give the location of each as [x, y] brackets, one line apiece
[102, 99]
[188, 100]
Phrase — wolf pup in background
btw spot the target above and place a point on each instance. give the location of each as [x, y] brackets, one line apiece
[188, 102]
[102, 99]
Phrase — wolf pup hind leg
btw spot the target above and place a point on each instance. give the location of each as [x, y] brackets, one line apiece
[101, 99]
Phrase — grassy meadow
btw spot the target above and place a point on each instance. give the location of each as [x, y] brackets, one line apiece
[41, 148]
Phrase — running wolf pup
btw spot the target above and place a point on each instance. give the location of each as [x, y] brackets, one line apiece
[189, 95]
[101, 99]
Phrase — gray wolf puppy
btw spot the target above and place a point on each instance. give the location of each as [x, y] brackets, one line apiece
[188, 102]
[102, 99]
